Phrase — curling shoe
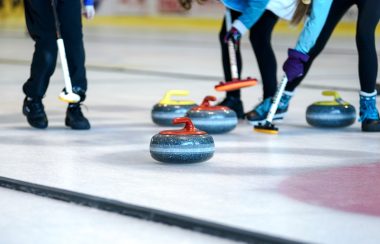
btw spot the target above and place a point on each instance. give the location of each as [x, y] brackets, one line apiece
[369, 116]
[35, 114]
[75, 118]
[235, 104]
[260, 112]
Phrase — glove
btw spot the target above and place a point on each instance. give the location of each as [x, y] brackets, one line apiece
[234, 35]
[294, 65]
[89, 11]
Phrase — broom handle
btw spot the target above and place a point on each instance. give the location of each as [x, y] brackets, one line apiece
[276, 99]
[65, 69]
[231, 48]
[61, 49]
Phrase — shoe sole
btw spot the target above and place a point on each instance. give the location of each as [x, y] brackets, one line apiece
[371, 129]
[67, 123]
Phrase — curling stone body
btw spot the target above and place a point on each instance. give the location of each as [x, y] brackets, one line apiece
[331, 114]
[182, 146]
[163, 114]
[213, 119]
[167, 109]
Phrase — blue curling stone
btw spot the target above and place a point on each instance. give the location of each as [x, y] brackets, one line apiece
[331, 114]
[188, 145]
[168, 109]
[213, 119]
[163, 114]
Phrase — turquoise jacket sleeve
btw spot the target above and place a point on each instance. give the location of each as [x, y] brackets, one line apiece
[253, 11]
[313, 25]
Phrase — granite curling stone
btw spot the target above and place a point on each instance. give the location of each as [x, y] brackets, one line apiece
[167, 109]
[331, 114]
[187, 145]
[213, 119]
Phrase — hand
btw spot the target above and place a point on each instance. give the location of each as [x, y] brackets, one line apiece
[294, 65]
[89, 11]
[234, 35]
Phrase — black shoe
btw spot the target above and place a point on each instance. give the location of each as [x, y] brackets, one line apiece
[75, 118]
[235, 104]
[371, 125]
[35, 114]
[378, 89]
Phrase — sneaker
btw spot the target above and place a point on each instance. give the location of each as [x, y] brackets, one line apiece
[75, 118]
[35, 114]
[369, 116]
[260, 112]
[235, 104]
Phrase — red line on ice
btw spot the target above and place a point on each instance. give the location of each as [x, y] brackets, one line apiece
[353, 189]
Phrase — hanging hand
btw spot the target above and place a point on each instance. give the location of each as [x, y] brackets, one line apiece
[234, 35]
[89, 11]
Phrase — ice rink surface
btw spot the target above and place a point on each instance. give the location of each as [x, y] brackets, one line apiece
[306, 184]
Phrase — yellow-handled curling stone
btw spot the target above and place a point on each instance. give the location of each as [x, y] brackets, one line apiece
[331, 114]
[167, 109]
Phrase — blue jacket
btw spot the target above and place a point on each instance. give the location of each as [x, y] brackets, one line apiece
[88, 2]
[313, 26]
[252, 10]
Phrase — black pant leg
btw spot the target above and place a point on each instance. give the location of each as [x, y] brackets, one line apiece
[69, 12]
[260, 37]
[40, 24]
[368, 18]
[226, 57]
[337, 10]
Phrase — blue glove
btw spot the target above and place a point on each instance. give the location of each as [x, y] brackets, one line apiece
[294, 65]
[234, 35]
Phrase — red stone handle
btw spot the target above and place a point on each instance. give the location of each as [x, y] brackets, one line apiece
[189, 126]
[206, 101]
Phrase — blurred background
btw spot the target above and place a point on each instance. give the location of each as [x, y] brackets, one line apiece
[152, 13]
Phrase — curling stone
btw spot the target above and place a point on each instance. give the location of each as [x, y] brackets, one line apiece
[333, 114]
[167, 109]
[187, 145]
[213, 119]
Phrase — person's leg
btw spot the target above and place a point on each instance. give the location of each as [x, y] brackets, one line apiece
[337, 10]
[368, 18]
[40, 24]
[260, 37]
[70, 16]
[225, 54]
[232, 99]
